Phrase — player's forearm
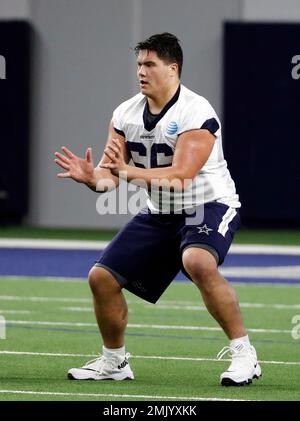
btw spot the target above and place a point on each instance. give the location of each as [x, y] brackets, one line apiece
[153, 177]
[102, 180]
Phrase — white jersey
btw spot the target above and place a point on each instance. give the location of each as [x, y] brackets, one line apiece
[151, 140]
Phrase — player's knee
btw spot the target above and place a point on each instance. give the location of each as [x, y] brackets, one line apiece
[95, 278]
[101, 281]
[200, 265]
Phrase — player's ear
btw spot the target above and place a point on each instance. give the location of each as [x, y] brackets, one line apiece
[174, 69]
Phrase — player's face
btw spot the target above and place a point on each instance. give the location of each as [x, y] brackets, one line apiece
[154, 74]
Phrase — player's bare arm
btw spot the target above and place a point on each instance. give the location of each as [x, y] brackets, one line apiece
[191, 153]
[82, 170]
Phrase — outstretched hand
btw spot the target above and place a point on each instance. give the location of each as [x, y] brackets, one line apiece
[115, 154]
[79, 169]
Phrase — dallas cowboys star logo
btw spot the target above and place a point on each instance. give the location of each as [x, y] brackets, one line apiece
[204, 229]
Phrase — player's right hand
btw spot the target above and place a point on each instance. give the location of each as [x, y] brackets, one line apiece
[79, 169]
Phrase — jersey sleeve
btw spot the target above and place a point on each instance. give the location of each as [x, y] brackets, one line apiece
[117, 120]
[199, 114]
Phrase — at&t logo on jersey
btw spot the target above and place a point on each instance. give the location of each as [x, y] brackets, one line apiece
[172, 128]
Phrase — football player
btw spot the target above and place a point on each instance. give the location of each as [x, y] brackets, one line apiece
[173, 136]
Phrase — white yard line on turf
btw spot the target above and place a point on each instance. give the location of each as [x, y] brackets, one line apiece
[278, 284]
[139, 326]
[96, 245]
[146, 357]
[194, 303]
[10, 311]
[202, 308]
[190, 308]
[113, 395]
[41, 278]
[44, 299]
[84, 309]
[163, 304]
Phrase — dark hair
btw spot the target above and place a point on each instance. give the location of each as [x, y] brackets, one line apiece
[166, 46]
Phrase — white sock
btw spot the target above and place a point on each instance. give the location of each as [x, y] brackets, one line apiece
[109, 351]
[235, 343]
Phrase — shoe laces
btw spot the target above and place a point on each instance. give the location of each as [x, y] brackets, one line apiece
[232, 351]
[223, 352]
[102, 362]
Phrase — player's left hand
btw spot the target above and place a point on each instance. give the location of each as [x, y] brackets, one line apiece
[114, 152]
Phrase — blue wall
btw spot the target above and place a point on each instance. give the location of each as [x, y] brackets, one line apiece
[261, 120]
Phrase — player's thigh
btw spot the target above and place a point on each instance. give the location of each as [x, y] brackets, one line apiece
[213, 234]
[144, 257]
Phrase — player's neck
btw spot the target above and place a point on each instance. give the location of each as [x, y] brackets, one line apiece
[157, 103]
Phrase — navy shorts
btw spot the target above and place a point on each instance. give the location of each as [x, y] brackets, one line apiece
[146, 255]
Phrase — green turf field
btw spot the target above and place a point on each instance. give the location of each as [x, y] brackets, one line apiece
[173, 345]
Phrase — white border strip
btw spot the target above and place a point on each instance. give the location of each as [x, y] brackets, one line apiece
[52, 244]
[264, 249]
[99, 245]
[277, 272]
